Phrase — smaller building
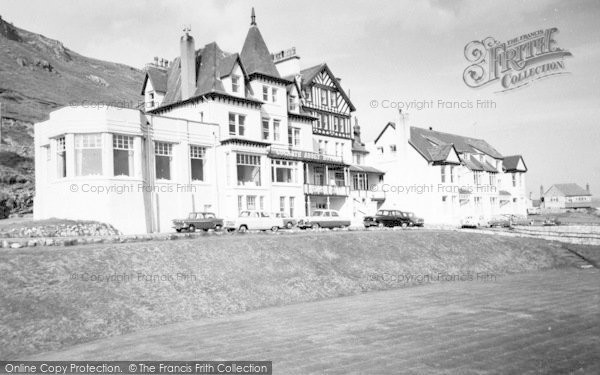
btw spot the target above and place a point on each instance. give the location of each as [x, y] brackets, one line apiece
[564, 196]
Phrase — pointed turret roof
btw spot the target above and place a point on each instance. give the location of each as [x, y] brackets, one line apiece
[255, 54]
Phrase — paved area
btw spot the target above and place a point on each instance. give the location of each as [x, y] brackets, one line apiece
[542, 322]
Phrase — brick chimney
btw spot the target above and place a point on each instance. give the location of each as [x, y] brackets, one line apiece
[188, 65]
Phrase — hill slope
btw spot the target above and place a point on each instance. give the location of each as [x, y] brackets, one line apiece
[38, 75]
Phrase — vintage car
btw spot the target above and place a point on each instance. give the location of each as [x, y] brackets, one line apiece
[387, 218]
[520, 220]
[414, 221]
[254, 220]
[324, 219]
[288, 222]
[502, 221]
[198, 220]
[472, 222]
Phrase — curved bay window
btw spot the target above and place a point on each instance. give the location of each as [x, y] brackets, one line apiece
[88, 154]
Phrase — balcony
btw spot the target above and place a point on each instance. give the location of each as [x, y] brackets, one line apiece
[293, 154]
[326, 190]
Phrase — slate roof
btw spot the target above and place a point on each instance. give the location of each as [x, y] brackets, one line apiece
[256, 56]
[461, 144]
[158, 78]
[511, 163]
[212, 64]
[571, 190]
[365, 169]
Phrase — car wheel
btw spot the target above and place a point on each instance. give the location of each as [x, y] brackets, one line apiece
[191, 228]
[316, 226]
[274, 229]
[243, 228]
[380, 225]
[289, 225]
[404, 225]
[178, 230]
[218, 227]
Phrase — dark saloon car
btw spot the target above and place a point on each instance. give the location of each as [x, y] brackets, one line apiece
[198, 220]
[387, 218]
[414, 221]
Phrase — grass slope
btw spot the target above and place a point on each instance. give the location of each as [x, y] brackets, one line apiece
[44, 308]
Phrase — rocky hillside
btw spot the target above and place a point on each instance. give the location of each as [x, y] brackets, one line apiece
[38, 75]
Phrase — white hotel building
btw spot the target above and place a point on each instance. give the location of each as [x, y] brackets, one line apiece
[220, 132]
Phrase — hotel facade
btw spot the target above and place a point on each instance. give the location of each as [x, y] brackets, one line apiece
[219, 132]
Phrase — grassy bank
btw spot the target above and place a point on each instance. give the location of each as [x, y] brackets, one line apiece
[56, 297]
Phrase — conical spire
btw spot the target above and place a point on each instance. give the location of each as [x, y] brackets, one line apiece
[255, 55]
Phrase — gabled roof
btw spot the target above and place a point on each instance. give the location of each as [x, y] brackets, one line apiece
[570, 190]
[157, 77]
[309, 74]
[212, 64]
[256, 56]
[511, 163]
[461, 143]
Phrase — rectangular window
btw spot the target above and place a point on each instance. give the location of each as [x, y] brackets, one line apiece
[319, 176]
[262, 203]
[492, 179]
[333, 99]
[235, 83]
[163, 155]
[251, 202]
[393, 148]
[339, 179]
[122, 155]
[88, 154]
[296, 137]
[274, 95]
[266, 93]
[514, 179]
[282, 204]
[283, 171]
[292, 202]
[248, 169]
[292, 102]
[324, 98]
[265, 128]
[236, 124]
[293, 136]
[197, 159]
[276, 130]
[359, 181]
[61, 157]
[451, 174]
[336, 124]
[443, 169]
[240, 203]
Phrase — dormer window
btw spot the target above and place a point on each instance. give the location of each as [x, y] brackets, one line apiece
[235, 83]
[292, 102]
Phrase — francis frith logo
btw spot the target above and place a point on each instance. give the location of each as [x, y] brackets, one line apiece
[515, 63]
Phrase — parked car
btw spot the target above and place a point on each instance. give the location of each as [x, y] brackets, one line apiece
[387, 218]
[520, 220]
[534, 211]
[198, 220]
[288, 222]
[324, 219]
[472, 222]
[502, 221]
[254, 220]
[551, 221]
[414, 221]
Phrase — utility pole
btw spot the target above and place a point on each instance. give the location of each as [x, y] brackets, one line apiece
[0, 124]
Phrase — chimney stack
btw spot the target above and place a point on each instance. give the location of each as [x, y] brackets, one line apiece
[541, 191]
[587, 187]
[188, 65]
[402, 134]
[155, 60]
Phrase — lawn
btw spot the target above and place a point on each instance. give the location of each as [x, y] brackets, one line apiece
[52, 298]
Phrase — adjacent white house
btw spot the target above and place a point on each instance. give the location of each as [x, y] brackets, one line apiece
[220, 132]
[445, 177]
[564, 196]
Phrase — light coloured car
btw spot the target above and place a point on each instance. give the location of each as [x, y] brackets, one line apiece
[324, 219]
[254, 220]
[473, 222]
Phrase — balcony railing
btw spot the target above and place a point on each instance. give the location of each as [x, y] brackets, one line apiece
[331, 190]
[290, 153]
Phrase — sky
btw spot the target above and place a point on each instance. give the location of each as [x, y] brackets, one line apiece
[384, 52]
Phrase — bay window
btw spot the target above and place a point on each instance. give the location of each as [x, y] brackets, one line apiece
[122, 155]
[88, 154]
[163, 155]
[248, 169]
[197, 159]
[284, 171]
